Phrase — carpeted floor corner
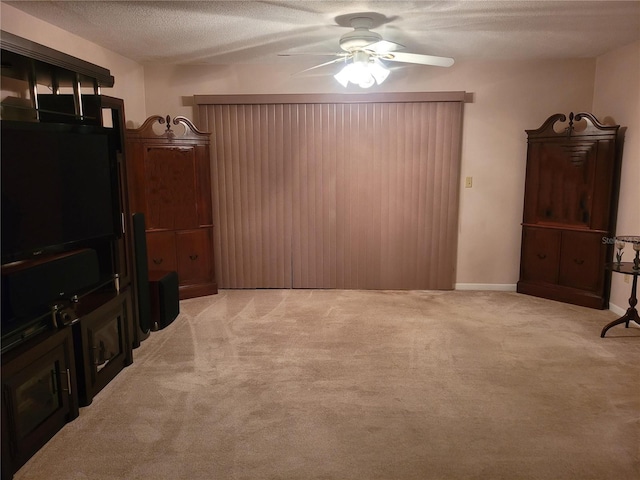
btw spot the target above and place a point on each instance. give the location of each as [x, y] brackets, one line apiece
[330, 384]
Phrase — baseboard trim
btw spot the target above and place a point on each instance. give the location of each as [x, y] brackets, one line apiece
[512, 288]
[502, 287]
[617, 310]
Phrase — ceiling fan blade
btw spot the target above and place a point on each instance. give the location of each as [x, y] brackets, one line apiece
[418, 58]
[321, 54]
[384, 46]
[321, 65]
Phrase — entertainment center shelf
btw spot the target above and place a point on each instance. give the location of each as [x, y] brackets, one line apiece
[44, 315]
[69, 303]
[34, 67]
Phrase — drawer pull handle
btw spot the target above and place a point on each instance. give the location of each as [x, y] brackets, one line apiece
[68, 374]
[579, 262]
[157, 261]
[542, 256]
[193, 257]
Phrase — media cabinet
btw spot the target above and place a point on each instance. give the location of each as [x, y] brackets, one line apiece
[69, 316]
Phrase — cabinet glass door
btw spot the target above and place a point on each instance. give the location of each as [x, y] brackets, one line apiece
[36, 399]
[106, 343]
[38, 396]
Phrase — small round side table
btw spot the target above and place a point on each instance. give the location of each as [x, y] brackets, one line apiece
[627, 268]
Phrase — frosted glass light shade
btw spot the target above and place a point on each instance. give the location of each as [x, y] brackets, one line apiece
[364, 74]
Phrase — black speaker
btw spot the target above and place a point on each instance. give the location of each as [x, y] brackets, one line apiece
[143, 329]
[27, 291]
[165, 303]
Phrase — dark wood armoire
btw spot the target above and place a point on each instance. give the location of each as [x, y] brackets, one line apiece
[170, 183]
[571, 195]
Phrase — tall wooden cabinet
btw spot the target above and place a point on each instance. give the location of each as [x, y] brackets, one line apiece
[170, 183]
[571, 194]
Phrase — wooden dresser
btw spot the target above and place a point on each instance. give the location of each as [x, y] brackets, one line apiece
[571, 194]
[170, 183]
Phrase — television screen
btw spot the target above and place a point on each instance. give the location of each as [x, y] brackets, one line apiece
[57, 184]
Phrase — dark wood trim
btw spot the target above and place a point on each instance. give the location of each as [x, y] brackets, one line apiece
[146, 131]
[594, 127]
[21, 46]
[555, 226]
[563, 294]
[408, 97]
[197, 290]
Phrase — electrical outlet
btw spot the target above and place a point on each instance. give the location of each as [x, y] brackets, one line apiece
[626, 278]
[468, 182]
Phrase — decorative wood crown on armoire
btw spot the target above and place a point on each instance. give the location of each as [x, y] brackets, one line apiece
[571, 196]
[170, 183]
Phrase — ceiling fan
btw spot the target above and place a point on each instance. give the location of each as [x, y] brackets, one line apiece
[364, 52]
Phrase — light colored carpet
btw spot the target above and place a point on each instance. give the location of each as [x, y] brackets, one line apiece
[325, 384]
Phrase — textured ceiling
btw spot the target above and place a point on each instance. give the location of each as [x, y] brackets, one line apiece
[227, 32]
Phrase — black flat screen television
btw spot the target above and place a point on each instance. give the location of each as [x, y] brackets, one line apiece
[58, 184]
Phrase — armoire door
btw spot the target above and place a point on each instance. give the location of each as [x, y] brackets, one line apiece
[171, 192]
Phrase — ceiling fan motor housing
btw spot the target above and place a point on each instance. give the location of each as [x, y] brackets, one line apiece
[361, 36]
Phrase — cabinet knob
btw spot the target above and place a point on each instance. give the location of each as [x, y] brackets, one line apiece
[193, 257]
[542, 256]
[579, 262]
[157, 261]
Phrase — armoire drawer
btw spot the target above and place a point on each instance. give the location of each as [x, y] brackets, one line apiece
[582, 255]
[540, 255]
[194, 256]
[161, 251]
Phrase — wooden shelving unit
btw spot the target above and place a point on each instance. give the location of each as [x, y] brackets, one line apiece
[67, 361]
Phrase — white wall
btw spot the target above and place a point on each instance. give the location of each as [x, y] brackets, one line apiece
[129, 75]
[617, 95]
[508, 97]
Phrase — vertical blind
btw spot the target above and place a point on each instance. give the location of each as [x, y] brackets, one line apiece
[360, 195]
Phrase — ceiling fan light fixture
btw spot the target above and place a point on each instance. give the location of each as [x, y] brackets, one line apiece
[343, 76]
[367, 81]
[379, 71]
[362, 73]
